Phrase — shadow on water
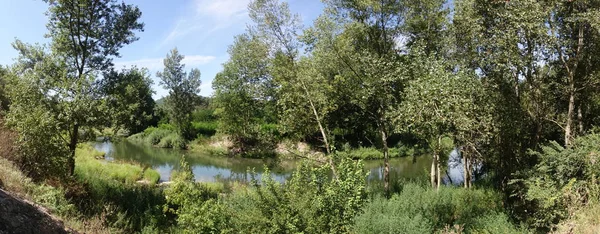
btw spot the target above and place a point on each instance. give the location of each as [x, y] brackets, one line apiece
[207, 168]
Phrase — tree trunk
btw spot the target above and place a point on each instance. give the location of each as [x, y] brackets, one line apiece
[72, 147]
[465, 168]
[439, 174]
[433, 167]
[323, 133]
[437, 163]
[570, 113]
[386, 163]
[580, 119]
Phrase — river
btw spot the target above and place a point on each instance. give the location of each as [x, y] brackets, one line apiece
[207, 168]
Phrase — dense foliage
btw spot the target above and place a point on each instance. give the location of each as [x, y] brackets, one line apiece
[183, 88]
[513, 86]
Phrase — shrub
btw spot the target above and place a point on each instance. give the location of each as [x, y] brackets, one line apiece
[560, 183]
[156, 136]
[151, 176]
[309, 202]
[205, 128]
[420, 209]
[173, 140]
[203, 115]
[196, 205]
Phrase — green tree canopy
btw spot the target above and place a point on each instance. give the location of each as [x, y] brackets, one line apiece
[183, 91]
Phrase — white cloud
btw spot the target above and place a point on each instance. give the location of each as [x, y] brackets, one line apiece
[155, 64]
[222, 9]
[209, 16]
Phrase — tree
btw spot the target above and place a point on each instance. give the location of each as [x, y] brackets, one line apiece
[426, 25]
[183, 91]
[370, 60]
[296, 97]
[245, 93]
[128, 96]
[3, 96]
[439, 103]
[85, 36]
[36, 112]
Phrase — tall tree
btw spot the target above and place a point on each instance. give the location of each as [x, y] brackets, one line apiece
[439, 103]
[372, 29]
[426, 24]
[3, 95]
[279, 28]
[245, 92]
[183, 91]
[128, 96]
[86, 35]
[36, 111]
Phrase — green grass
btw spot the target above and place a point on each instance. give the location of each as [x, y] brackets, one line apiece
[123, 194]
[205, 128]
[366, 153]
[88, 166]
[420, 209]
[163, 136]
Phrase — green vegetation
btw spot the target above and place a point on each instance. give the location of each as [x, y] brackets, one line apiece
[374, 153]
[183, 88]
[89, 166]
[513, 86]
[419, 209]
[129, 99]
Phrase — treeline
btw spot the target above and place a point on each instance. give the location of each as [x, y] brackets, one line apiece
[512, 84]
[497, 78]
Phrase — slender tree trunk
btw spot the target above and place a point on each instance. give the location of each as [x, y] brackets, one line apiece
[570, 113]
[439, 174]
[386, 160]
[72, 147]
[433, 167]
[580, 119]
[322, 130]
[438, 166]
[465, 168]
[571, 89]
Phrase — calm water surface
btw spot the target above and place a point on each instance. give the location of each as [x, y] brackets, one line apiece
[213, 168]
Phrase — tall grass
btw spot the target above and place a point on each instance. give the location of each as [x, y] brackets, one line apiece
[420, 209]
[87, 166]
[366, 153]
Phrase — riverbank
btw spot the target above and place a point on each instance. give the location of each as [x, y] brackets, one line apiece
[220, 145]
[102, 197]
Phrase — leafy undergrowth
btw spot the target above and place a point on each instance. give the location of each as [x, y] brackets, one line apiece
[163, 136]
[101, 198]
[374, 153]
[88, 166]
[420, 209]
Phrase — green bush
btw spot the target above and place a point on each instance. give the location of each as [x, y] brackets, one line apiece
[151, 176]
[563, 180]
[172, 140]
[195, 204]
[309, 202]
[374, 153]
[156, 136]
[420, 209]
[205, 128]
[203, 115]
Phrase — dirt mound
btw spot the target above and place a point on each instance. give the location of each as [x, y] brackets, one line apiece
[19, 216]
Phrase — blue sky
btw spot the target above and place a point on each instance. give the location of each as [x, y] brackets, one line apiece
[201, 30]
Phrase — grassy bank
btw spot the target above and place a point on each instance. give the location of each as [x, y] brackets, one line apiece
[419, 209]
[102, 197]
[88, 166]
[366, 153]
